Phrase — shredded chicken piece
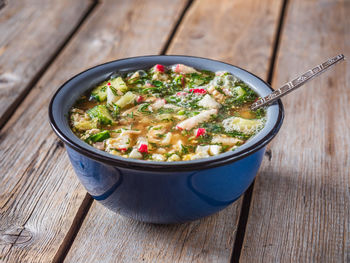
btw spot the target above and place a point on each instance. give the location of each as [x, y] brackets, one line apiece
[216, 94]
[225, 140]
[192, 122]
[209, 102]
[99, 145]
[181, 68]
[129, 111]
[158, 104]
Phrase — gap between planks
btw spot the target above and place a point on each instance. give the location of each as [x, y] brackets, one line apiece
[18, 101]
[88, 200]
[245, 209]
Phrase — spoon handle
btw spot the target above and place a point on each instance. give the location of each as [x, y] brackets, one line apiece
[297, 82]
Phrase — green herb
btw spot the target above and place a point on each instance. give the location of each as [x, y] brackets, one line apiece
[224, 148]
[243, 94]
[165, 110]
[205, 139]
[260, 113]
[239, 135]
[184, 149]
[167, 155]
[114, 91]
[157, 83]
[99, 137]
[153, 144]
[130, 115]
[212, 127]
[144, 108]
[116, 110]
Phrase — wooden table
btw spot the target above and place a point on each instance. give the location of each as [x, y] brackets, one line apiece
[297, 210]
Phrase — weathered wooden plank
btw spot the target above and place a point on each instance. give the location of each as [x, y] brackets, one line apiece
[39, 193]
[210, 239]
[300, 210]
[31, 33]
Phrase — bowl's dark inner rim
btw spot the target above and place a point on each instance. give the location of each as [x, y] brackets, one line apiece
[205, 163]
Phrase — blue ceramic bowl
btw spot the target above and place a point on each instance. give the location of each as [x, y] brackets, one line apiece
[162, 192]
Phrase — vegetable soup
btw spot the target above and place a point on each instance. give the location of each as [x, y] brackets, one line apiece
[174, 113]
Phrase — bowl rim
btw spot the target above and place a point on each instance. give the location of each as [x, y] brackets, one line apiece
[146, 165]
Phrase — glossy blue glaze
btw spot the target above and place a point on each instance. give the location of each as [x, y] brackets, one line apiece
[162, 192]
[165, 197]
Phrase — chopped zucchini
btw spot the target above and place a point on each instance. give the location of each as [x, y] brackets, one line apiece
[85, 125]
[101, 113]
[239, 92]
[119, 84]
[115, 110]
[126, 99]
[99, 137]
[100, 92]
[245, 126]
[111, 95]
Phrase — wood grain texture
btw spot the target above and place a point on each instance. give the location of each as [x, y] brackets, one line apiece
[300, 210]
[31, 33]
[236, 32]
[210, 239]
[39, 193]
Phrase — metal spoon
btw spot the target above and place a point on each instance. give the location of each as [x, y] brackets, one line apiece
[297, 82]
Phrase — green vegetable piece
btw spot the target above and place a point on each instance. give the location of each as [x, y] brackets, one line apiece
[111, 95]
[100, 92]
[85, 125]
[115, 111]
[126, 99]
[99, 137]
[119, 84]
[101, 113]
[242, 125]
[239, 91]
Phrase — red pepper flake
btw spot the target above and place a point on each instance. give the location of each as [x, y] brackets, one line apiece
[159, 68]
[139, 99]
[143, 148]
[109, 84]
[198, 91]
[200, 131]
[179, 128]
